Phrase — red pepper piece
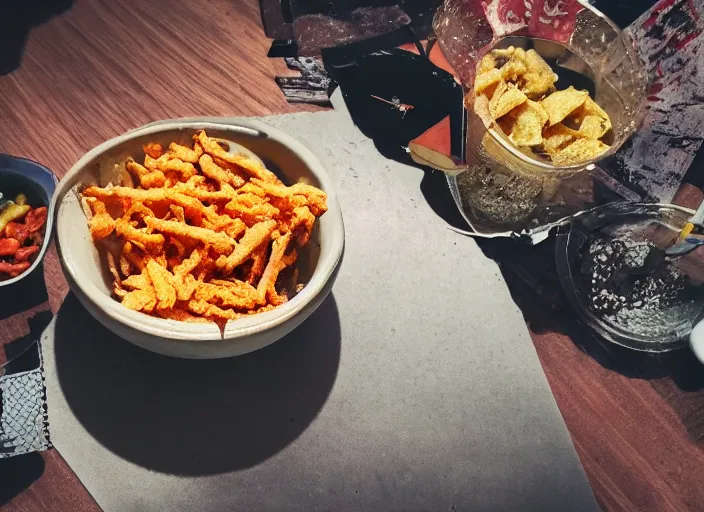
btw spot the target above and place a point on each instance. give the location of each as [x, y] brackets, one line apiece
[35, 219]
[8, 246]
[24, 253]
[13, 269]
[17, 231]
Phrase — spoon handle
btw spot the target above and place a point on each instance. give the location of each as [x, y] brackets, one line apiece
[695, 219]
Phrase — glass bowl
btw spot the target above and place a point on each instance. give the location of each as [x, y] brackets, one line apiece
[604, 262]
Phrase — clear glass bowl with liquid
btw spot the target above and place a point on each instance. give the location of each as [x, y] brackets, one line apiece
[602, 265]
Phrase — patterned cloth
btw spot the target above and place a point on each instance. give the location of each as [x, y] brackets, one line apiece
[23, 415]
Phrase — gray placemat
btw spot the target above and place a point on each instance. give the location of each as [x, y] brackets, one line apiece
[415, 386]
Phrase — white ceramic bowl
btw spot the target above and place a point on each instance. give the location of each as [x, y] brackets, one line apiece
[318, 263]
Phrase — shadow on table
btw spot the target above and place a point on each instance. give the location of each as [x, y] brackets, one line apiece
[436, 192]
[195, 417]
[17, 21]
[25, 294]
[18, 473]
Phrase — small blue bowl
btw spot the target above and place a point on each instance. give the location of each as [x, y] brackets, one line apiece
[38, 184]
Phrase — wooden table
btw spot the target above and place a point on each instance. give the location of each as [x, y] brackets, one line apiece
[103, 67]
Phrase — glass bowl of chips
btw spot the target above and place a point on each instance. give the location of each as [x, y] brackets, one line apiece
[552, 88]
[162, 244]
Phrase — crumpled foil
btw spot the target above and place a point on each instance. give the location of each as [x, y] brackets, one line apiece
[504, 192]
[328, 23]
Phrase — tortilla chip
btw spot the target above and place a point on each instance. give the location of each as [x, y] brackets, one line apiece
[579, 151]
[591, 107]
[561, 104]
[505, 99]
[594, 127]
[590, 119]
[513, 70]
[539, 78]
[487, 63]
[557, 137]
[526, 124]
[486, 80]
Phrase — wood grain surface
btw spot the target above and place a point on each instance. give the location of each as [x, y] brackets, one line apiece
[103, 67]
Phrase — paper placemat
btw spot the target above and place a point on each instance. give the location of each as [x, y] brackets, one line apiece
[415, 386]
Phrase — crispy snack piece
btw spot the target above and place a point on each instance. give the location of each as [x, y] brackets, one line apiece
[578, 151]
[591, 120]
[251, 209]
[258, 263]
[253, 238]
[539, 78]
[525, 124]
[214, 171]
[181, 315]
[557, 137]
[153, 149]
[102, 224]
[265, 288]
[202, 308]
[561, 104]
[129, 252]
[487, 80]
[591, 107]
[225, 296]
[487, 63]
[514, 69]
[255, 169]
[163, 282]
[506, 97]
[140, 300]
[299, 194]
[154, 195]
[186, 170]
[300, 223]
[147, 178]
[138, 236]
[594, 127]
[142, 296]
[220, 242]
[184, 153]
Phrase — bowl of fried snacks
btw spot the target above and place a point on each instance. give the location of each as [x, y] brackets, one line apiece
[199, 239]
[26, 189]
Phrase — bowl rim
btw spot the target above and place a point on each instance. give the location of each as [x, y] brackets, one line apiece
[184, 331]
[48, 228]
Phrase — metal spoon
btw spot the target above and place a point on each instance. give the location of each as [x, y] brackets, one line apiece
[681, 247]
